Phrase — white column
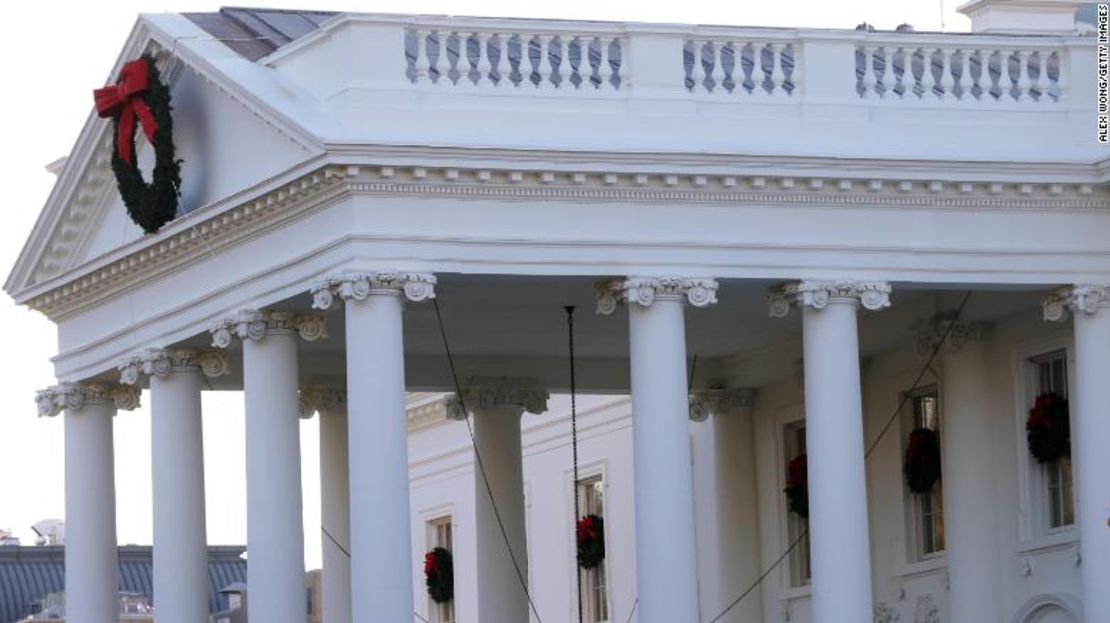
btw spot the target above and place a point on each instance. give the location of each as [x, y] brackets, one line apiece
[974, 592]
[92, 585]
[275, 529]
[335, 516]
[1090, 306]
[177, 470]
[497, 405]
[737, 520]
[666, 559]
[381, 538]
[839, 539]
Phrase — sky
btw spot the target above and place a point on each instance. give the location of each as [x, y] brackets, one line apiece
[55, 53]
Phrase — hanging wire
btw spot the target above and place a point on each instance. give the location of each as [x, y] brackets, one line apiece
[348, 555]
[574, 447]
[870, 449]
[481, 466]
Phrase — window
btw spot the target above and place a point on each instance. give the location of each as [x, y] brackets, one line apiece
[440, 535]
[794, 444]
[1052, 378]
[592, 582]
[927, 509]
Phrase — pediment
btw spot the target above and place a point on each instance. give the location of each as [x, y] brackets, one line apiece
[226, 138]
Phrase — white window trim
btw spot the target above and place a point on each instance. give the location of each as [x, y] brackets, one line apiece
[427, 516]
[791, 416]
[1034, 533]
[592, 469]
[911, 501]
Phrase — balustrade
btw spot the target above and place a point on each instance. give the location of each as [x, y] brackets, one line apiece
[758, 69]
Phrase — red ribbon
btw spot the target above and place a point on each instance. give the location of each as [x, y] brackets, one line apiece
[124, 101]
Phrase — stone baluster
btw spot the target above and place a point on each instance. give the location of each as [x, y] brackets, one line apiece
[717, 70]
[605, 69]
[906, 80]
[421, 64]
[1036, 82]
[462, 61]
[697, 71]
[544, 68]
[485, 77]
[946, 80]
[441, 65]
[778, 77]
[585, 68]
[867, 80]
[504, 65]
[1023, 81]
[928, 74]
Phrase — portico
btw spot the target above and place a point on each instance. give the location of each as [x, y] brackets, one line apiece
[329, 275]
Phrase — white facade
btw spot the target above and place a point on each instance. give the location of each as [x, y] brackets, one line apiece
[800, 210]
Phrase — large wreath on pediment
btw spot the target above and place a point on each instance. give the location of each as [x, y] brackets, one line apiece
[140, 99]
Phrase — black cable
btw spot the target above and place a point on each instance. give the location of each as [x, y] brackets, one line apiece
[574, 447]
[882, 433]
[481, 465]
[348, 555]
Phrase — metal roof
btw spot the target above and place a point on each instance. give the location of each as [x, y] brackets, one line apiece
[28, 573]
[254, 33]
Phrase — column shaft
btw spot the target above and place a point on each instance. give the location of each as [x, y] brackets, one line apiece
[381, 538]
[737, 517]
[840, 548]
[177, 466]
[969, 508]
[501, 598]
[1090, 439]
[92, 575]
[335, 516]
[275, 528]
[666, 560]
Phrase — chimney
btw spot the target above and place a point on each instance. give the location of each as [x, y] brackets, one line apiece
[1041, 17]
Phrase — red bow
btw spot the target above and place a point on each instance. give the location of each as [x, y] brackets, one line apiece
[124, 102]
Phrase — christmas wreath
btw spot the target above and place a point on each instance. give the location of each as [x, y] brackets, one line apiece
[797, 486]
[140, 98]
[439, 575]
[922, 464]
[591, 541]
[1048, 428]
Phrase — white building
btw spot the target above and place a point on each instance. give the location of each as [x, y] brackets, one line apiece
[340, 172]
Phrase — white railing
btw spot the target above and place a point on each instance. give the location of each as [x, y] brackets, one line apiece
[741, 67]
[480, 58]
[965, 72]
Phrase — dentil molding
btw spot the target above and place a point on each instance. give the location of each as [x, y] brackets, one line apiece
[252, 324]
[609, 293]
[415, 287]
[872, 295]
[75, 396]
[160, 362]
[1087, 299]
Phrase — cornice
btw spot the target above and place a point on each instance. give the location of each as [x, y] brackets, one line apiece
[207, 231]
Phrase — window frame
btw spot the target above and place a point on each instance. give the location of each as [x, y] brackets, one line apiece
[799, 567]
[590, 604]
[1050, 473]
[914, 503]
[433, 532]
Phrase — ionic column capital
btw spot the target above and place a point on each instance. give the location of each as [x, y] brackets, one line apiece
[253, 324]
[872, 295]
[76, 396]
[484, 393]
[945, 331]
[321, 400]
[720, 402]
[609, 293]
[1087, 299]
[415, 287]
[160, 362]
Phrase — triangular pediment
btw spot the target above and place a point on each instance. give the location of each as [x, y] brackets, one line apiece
[227, 134]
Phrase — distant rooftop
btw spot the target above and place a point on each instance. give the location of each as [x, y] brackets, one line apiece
[254, 33]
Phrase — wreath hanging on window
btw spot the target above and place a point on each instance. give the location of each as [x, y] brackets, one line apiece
[1048, 428]
[922, 463]
[797, 486]
[439, 575]
[140, 99]
[591, 541]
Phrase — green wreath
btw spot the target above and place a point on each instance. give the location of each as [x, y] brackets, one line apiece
[141, 96]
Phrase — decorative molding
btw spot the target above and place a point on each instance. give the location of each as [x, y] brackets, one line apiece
[926, 610]
[885, 613]
[872, 295]
[945, 331]
[220, 225]
[720, 402]
[75, 396]
[252, 324]
[483, 393]
[415, 287]
[1081, 298]
[314, 400]
[1033, 609]
[1025, 566]
[160, 362]
[609, 293]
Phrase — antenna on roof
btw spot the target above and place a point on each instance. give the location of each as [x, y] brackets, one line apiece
[942, 24]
